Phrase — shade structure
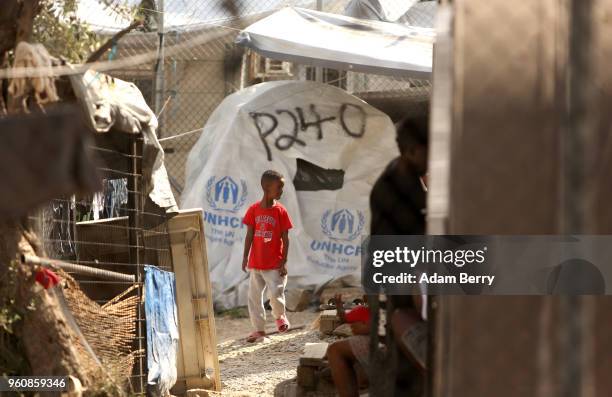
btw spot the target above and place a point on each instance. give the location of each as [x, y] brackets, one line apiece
[341, 42]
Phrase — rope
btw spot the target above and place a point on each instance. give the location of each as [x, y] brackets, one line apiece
[180, 135]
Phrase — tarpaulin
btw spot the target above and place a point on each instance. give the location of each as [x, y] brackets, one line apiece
[162, 330]
[410, 12]
[329, 145]
[115, 105]
[341, 42]
[382, 10]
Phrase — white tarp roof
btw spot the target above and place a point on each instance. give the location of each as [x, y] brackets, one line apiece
[408, 12]
[382, 10]
[341, 42]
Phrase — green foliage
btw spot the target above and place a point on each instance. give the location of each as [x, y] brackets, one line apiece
[236, 312]
[8, 291]
[58, 29]
[12, 360]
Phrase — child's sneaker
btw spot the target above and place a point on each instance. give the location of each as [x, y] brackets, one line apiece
[256, 336]
[282, 324]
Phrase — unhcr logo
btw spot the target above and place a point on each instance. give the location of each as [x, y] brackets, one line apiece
[224, 194]
[343, 224]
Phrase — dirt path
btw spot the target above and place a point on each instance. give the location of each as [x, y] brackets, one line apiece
[255, 369]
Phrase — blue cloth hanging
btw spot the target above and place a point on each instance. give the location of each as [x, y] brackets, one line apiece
[162, 330]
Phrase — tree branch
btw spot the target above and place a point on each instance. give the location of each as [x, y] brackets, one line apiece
[112, 41]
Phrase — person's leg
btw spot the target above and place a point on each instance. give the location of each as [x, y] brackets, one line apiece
[276, 292]
[341, 359]
[410, 333]
[257, 313]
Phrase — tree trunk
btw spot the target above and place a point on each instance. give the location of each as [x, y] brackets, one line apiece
[8, 28]
[25, 24]
[16, 22]
[52, 347]
[49, 342]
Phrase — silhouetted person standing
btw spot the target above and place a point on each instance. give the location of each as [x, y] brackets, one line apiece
[397, 201]
[398, 205]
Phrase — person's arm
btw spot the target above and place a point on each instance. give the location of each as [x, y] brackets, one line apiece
[283, 264]
[418, 302]
[340, 307]
[248, 241]
[360, 328]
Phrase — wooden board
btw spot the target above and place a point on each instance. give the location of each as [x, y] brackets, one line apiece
[348, 294]
[103, 244]
[329, 313]
[314, 354]
[112, 231]
[197, 360]
[329, 321]
[306, 376]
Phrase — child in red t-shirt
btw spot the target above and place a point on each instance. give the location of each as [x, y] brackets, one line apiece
[265, 254]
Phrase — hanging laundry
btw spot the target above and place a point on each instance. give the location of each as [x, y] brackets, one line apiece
[97, 205]
[115, 195]
[47, 278]
[58, 229]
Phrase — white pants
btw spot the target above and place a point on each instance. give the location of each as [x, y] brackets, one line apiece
[260, 280]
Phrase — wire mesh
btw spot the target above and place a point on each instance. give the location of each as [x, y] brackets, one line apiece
[109, 330]
[105, 231]
[201, 66]
[208, 66]
[496, 67]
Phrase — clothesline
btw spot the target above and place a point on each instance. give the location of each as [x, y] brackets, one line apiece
[180, 135]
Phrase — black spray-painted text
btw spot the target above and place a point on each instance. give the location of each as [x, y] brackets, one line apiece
[267, 123]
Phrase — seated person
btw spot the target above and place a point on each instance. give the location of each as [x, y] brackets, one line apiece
[345, 354]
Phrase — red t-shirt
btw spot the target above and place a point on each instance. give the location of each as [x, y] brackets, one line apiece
[268, 224]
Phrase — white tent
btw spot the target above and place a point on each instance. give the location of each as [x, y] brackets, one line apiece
[341, 42]
[330, 146]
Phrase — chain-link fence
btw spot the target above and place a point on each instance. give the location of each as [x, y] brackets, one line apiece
[198, 64]
[202, 64]
[185, 61]
[524, 89]
[103, 242]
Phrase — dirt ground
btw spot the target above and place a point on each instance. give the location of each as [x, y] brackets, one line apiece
[249, 369]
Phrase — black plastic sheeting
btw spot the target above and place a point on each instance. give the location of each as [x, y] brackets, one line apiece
[311, 177]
